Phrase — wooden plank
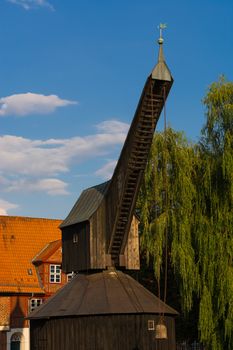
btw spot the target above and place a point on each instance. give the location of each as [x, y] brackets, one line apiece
[132, 247]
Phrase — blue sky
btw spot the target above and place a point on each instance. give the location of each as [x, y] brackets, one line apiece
[71, 74]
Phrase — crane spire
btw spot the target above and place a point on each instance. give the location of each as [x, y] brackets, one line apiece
[161, 70]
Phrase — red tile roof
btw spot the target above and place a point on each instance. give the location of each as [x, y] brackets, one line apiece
[21, 239]
[47, 251]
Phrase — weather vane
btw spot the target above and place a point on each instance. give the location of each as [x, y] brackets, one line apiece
[161, 27]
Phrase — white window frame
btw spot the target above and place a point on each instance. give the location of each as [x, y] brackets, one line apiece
[69, 276]
[34, 303]
[25, 338]
[75, 238]
[55, 273]
[151, 325]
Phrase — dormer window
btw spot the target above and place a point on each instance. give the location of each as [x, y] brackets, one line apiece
[75, 238]
[55, 274]
[29, 272]
[34, 303]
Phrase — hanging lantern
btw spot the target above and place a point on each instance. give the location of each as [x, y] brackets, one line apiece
[160, 331]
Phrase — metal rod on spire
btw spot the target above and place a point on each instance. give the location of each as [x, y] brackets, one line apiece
[161, 27]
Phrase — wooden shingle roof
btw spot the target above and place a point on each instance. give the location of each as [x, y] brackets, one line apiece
[103, 293]
[86, 205]
[21, 239]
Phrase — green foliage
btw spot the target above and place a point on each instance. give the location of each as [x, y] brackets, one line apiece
[219, 111]
[173, 160]
[188, 193]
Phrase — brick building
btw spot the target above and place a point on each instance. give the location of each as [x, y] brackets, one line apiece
[30, 272]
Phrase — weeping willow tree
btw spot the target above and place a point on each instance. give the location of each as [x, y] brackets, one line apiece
[214, 211]
[186, 208]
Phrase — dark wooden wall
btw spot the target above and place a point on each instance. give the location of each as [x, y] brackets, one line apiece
[90, 252]
[111, 332]
[98, 238]
[131, 259]
[76, 256]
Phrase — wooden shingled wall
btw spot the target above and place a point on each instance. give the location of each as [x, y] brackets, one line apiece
[101, 332]
[99, 258]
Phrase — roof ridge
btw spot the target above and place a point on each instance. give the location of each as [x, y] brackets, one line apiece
[41, 251]
[95, 186]
[27, 217]
[86, 205]
[51, 252]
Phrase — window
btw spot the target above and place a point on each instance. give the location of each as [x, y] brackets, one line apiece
[151, 325]
[55, 274]
[70, 276]
[34, 303]
[17, 341]
[75, 238]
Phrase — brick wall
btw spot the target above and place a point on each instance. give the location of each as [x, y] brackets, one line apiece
[4, 312]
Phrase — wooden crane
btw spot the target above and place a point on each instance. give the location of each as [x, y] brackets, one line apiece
[95, 234]
[109, 309]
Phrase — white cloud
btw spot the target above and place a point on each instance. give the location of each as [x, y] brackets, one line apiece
[30, 103]
[107, 170]
[34, 165]
[5, 206]
[51, 157]
[31, 4]
[50, 186]
[113, 126]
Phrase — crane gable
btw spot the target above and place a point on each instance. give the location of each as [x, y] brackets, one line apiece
[86, 205]
[83, 232]
[84, 235]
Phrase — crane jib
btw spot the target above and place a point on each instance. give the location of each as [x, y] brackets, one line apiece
[124, 186]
